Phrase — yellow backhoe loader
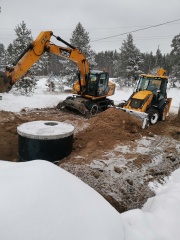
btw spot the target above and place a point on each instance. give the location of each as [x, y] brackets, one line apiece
[149, 100]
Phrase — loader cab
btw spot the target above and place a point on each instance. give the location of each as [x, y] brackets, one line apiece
[97, 83]
[157, 85]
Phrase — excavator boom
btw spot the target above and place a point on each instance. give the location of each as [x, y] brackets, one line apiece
[32, 54]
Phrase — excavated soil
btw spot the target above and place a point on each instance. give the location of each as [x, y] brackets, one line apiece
[111, 151]
[93, 135]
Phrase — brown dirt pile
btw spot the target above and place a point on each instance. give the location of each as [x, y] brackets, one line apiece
[106, 130]
[93, 137]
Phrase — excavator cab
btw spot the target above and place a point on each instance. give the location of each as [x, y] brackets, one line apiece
[97, 83]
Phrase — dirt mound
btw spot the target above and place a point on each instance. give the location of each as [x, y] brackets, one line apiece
[93, 137]
[170, 127]
[106, 130]
[176, 119]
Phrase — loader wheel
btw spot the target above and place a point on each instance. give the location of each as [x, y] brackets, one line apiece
[153, 114]
[93, 109]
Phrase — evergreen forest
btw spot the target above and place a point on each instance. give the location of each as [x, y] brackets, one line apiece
[124, 64]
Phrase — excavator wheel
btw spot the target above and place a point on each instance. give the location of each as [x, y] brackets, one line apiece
[93, 109]
[153, 114]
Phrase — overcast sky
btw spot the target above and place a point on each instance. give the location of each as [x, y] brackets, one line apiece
[102, 19]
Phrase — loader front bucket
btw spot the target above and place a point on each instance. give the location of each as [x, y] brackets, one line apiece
[5, 85]
[140, 115]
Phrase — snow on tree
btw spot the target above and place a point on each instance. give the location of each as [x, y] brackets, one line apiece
[79, 39]
[25, 86]
[128, 66]
[2, 52]
[23, 38]
[175, 60]
[22, 41]
[2, 49]
[54, 83]
[8, 56]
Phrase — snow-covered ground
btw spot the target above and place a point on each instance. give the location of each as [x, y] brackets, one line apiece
[43, 98]
[39, 200]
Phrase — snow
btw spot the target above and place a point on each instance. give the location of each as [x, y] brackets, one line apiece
[42, 201]
[160, 214]
[39, 200]
[14, 103]
[43, 98]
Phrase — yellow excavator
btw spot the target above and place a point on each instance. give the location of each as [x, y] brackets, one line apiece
[149, 100]
[91, 88]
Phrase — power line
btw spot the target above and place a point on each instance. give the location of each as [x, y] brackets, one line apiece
[87, 29]
[137, 30]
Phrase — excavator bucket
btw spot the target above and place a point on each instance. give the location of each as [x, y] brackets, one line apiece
[80, 104]
[5, 85]
[75, 103]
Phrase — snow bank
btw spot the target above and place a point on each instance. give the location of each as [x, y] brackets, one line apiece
[41, 201]
[160, 216]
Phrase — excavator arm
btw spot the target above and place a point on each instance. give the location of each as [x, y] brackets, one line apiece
[76, 56]
[32, 54]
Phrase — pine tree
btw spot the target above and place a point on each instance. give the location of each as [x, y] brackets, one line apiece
[105, 61]
[159, 59]
[23, 38]
[166, 63]
[129, 64]
[2, 52]
[149, 62]
[158, 62]
[175, 60]
[79, 39]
